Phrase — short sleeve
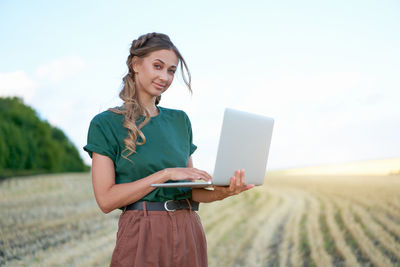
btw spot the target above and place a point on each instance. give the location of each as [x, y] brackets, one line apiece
[101, 139]
[193, 147]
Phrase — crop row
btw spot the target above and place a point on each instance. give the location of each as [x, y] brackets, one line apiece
[290, 221]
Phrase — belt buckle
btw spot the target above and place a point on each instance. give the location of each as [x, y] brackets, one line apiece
[166, 205]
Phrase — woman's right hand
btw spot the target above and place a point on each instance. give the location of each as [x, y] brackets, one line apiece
[178, 174]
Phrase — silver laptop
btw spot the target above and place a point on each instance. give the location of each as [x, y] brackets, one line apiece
[243, 144]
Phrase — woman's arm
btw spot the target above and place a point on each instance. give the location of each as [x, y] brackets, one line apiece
[110, 196]
[236, 186]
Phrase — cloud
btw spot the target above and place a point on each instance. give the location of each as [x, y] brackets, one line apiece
[17, 84]
[60, 69]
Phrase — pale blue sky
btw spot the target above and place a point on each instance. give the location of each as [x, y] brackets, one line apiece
[327, 71]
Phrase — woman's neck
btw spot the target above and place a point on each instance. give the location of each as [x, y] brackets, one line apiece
[150, 105]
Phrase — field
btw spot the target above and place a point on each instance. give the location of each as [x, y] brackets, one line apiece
[290, 221]
[308, 221]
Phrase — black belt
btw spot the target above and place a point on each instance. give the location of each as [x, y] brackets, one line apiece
[169, 205]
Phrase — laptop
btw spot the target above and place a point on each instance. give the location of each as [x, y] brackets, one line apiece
[244, 143]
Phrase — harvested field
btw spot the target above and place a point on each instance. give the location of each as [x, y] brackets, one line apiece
[290, 221]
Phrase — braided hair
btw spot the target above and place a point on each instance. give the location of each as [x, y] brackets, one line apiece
[131, 108]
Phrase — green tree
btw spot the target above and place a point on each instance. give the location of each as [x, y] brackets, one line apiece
[29, 145]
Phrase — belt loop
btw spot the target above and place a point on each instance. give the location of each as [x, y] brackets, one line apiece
[144, 208]
[124, 209]
[190, 206]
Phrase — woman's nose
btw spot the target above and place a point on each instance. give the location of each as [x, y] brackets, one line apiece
[164, 76]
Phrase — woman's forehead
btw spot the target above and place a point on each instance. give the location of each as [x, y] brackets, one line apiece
[168, 57]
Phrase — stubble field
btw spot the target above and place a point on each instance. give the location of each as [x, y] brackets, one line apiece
[290, 221]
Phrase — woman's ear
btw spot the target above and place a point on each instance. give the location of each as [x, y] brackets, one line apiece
[135, 63]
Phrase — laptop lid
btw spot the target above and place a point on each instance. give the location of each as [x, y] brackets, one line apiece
[244, 143]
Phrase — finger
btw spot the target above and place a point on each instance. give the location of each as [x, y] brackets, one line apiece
[242, 177]
[202, 174]
[205, 175]
[193, 176]
[249, 186]
[187, 174]
[190, 174]
[202, 178]
[232, 185]
[238, 179]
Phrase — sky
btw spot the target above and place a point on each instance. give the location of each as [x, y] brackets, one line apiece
[328, 72]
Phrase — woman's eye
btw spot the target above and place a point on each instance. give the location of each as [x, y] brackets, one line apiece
[157, 66]
[172, 71]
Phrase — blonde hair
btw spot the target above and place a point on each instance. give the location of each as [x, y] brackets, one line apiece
[132, 109]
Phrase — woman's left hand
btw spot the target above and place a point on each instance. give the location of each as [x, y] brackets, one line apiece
[236, 186]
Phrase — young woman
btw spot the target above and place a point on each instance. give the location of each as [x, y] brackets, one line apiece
[141, 143]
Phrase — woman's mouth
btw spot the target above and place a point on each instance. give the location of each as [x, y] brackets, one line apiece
[159, 86]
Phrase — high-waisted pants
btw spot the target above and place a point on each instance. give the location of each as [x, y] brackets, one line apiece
[160, 238]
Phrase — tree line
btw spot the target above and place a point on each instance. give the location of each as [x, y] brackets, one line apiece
[29, 145]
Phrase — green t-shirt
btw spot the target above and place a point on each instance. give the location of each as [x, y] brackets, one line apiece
[168, 145]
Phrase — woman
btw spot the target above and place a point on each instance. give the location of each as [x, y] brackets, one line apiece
[141, 143]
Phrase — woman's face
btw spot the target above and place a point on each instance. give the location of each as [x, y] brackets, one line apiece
[155, 72]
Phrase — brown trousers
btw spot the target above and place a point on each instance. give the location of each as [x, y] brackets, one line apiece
[160, 238]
